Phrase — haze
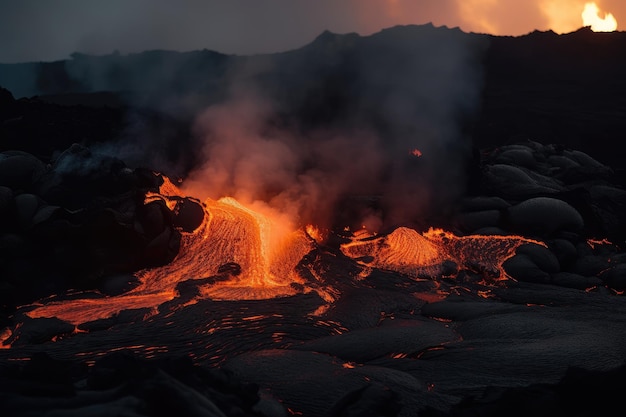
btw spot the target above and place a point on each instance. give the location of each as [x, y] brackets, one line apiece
[40, 30]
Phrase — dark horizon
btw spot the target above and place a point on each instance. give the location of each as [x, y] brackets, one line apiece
[40, 31]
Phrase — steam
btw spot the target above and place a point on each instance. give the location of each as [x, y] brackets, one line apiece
[326, 137]
[277, 170]
[323, 134]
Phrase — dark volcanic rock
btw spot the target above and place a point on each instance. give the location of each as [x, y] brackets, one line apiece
[117, 284]
[20, 170]
[615, 277]
[544, 216]
[572, 280]
[581, 392]
[189, 214]
[40, 330]
[523, 268]
[75, 222]
[126, 384]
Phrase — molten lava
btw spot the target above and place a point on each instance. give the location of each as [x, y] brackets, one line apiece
[240, 254]
[236, 253]
[435, 253]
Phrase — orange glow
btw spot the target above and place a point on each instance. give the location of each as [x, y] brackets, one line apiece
[598, 242]
[422, 255]
[476, 13]
[416, 152]
[519, 17]
[591, 17]
[562, 16]
[430, 297]
[5, 335]
[238, 253]
[252, 256]
[315, 233]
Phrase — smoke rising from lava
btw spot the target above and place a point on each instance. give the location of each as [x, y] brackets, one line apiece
[304, 134]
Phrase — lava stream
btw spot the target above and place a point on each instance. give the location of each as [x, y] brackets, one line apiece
[261, 253]
[240, 254]
[425, 255]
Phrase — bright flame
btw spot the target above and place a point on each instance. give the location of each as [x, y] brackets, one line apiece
[591, 17]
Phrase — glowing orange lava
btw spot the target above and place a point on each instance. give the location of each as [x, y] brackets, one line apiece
[249, 255]
[240, 254]
[424, 255]
[593, 243]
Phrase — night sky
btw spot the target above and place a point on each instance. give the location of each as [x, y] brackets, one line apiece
[42, 30]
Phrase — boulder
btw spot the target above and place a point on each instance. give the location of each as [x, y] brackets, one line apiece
[615, 277]
[26, 206]
[565, 252]
[521, 157]
[188, 215]
[541, 256]
[522, 268]
[591, 265]
[19, 170]
[543, 216]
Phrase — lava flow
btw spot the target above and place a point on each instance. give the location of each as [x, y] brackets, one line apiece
[240, 254]
[236, 253]
[436, 253]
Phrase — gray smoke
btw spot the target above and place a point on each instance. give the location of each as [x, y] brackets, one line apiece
[336, 122]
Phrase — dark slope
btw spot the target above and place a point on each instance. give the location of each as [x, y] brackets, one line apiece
[557, 88]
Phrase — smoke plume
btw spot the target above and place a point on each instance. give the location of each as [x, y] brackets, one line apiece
[349, 131]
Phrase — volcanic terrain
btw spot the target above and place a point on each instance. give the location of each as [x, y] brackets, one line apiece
[419, 222]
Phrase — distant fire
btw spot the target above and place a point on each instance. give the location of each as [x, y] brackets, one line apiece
[415, 152]
[591, 17]
[238, 253]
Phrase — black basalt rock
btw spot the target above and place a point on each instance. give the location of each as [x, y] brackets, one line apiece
[189, 215]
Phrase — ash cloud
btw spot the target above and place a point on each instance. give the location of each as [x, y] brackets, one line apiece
[325, 134]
